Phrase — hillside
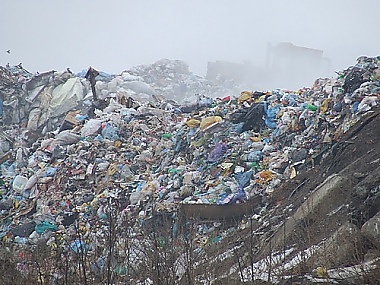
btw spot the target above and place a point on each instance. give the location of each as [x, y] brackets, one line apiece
[321, 226]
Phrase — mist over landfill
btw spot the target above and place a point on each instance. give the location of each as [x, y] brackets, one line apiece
[116, 35]
[189, 143]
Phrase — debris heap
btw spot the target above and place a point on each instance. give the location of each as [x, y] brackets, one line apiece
[158, 137]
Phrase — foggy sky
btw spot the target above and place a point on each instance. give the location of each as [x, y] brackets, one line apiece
[115, 35]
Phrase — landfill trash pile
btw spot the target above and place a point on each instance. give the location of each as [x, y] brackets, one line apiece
[161, 137]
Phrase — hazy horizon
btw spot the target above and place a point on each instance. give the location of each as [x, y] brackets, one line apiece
[113, 36]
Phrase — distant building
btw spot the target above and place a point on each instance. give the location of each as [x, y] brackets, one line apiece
[287, 66]
[291, 64]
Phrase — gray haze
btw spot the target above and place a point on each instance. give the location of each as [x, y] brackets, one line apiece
[115, 35]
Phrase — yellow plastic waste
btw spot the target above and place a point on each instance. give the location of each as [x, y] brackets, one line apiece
[118, 143]
[83, 229]
[112, 169]
[192, 123]
[322, 272]
[255, 138]
[293, 172]
[265, 176]
[245, 96]
[261, 98]
[324, 106]
[226, 165]
[149, 187]
[208, 121]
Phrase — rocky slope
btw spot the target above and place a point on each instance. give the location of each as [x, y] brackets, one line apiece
[322, 226]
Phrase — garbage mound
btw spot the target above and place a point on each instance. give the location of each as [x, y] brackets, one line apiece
[75, 148]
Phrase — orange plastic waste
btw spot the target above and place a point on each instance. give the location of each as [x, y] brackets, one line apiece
[265, 176]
